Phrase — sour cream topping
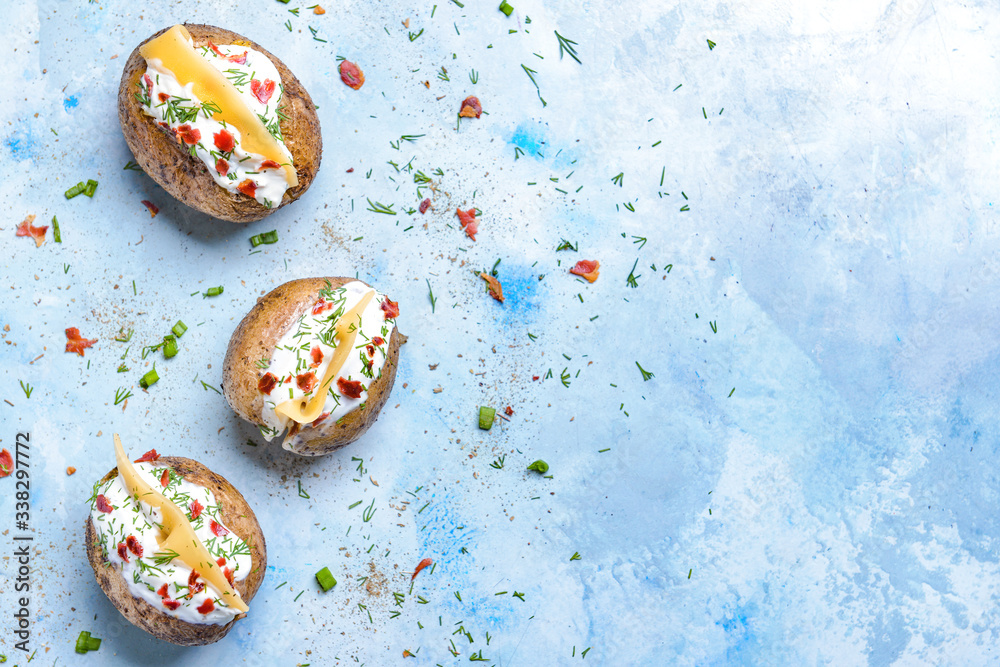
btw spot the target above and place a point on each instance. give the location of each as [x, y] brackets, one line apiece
[300, 359]
[217, 144]
[128, 537]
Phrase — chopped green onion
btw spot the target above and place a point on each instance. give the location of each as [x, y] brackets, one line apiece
[506, 8]
[149, 379]
[265, 238]
[326, 579]
[539, 466]
[214, 291]
[486, 416]
[86, 643]
[56, 235]
[179, 329]
[169, 347]
[76, 190]
[91, 187]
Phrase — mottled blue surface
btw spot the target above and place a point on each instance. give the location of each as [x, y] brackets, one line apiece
[808, 477]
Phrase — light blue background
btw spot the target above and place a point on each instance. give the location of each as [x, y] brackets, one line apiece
[814, 483]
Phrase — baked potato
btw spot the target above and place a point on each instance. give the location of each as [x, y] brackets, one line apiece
[188, 158]
[143, 577]
[277, 385]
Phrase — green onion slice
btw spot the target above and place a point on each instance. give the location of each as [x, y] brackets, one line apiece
[326, 579]
[486, 416]
[539, 466]
[149, 379]
[179, 328]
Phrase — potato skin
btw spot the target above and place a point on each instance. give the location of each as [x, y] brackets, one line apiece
[186, 178]
[236, 514]
[256, 337]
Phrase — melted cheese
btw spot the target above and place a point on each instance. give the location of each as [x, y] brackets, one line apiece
[305, 412]
[174, 51]
[178, 534]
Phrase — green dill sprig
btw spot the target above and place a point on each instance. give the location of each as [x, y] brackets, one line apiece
[122, 394]
[619, 179]
[26, 388]
[566, 46]
[633, 280]
[646, 375]
[379, 207]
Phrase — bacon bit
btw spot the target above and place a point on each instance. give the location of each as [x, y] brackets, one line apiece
[351, 74]
[224, 140]
[222, 166]
[133, 545]
[149, 82]
[195, 508]
[317, 356]
[215, 49]
[391, 309]
[165, 126]
[316, 422]
[163, 97]
[508, 411]
[165, 478]
[148, 457]
[407, 654]
[153, 208]
[239, 60]
[193, 578]
[171, 604]
[123, 551]
[27, 229]
[6, 463]
[471, 108]
[378, 340]
[319, 11]
[469, 222]
[306, 381]
[320, 306]
[229, 575]
[249, 188]
[187, 134]
[262, 91]
[207, 606]
[349, 388]
[221, 562]
[370, 349]
[587, 268]
[269, 164]
[267, 383]
[496, 290]
[218, 529]
[421, 565]
[163, 592]
[534, 377]
[69, 471]
[424, 205]
[76, 343]
[102, 504]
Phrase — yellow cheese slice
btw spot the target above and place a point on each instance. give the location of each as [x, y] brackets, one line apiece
[176, 53]
[305, 411]
[178, 534]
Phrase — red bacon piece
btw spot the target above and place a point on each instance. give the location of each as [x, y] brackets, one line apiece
[508, 411]
[195, 508]
[351, 74]
[319, 420]
[133, 545]
[471, 108]
[267, 383]
[306, 381]
[370, 349]
[495, 288]
[349, 388]
[215, 49]
[469, 222]
[221, 562]
[123, 551]
[424, 205]
[163, 591]
[147, 81]
[317, 357]
[207, 606]
[103, 505]
[222, 166]
[187, 134]
[239, 60]
[171, 604]
[427, 562]
[587, 268]
[248, 187]
[27, 229]
[75, 342]
[153, 208]
[378, 340]
[228, 573]
[148, 457]
[218, 529]
[390, 308]
[224, 140]
[165, 478]
[6, 463]
[269, 164]
[262, 91]
[163, 97]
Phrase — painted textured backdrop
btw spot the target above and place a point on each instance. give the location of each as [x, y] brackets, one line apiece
[808, 477]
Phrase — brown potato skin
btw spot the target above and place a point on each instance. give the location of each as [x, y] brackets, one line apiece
[185, 177]
[256, 337]
[236, 514]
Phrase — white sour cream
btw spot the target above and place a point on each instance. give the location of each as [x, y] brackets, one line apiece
[186, 116]
[293, 358]
[147, 574]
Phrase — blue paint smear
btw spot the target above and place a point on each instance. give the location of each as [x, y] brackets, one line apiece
[528, 139]
[521, 291]
[71, 103]
[22, 144]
